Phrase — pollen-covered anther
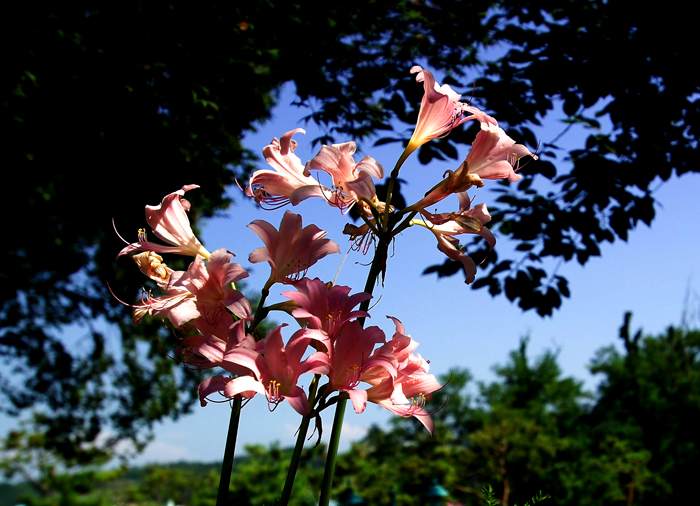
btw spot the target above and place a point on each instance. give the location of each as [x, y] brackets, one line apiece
[418, 401]
[354, 374]
[298, 268]
[513, 159]
[272, 392]
[334, 318]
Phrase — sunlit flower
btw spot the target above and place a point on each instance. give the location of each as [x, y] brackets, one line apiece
[326, 307]
[403, 393]
[351, 355]
[352, 182]
[289, 182]
[440, 111]
[211, 284]
[273, 373]
[291, 250]
[493, 156]
[466, 220]
[170, 223]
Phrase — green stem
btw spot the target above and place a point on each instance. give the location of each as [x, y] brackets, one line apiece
[390, 187]
[329, 470]
[378, 264]
[405, 223]
[227, 465]
[301, 437]
[261, 312]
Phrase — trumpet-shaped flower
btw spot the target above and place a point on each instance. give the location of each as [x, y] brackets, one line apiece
[465, 221]
[170, 223]
[404, 392]
[290, 181]
[352, 182]
[211, 350]
[291, 250]
[440, 111]
[203, 292]
[351, 355]
[274, 373]
[211, 286]
[494, 155]
[326, 308]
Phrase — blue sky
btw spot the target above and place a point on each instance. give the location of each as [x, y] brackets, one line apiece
[649, 275]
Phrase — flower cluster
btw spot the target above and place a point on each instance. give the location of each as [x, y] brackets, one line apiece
[219, 322]
[221, 331]
[494, 155]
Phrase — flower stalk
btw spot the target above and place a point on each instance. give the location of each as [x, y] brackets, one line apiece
[229, 450]
[299, 446]
[377, 267]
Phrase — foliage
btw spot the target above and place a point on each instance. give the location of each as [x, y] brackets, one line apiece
[97, 97]
[159, 484]
[531, 429]
[52, 479]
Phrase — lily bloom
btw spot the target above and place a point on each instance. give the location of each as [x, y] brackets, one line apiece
[202, 293]
[290, 181]
[440, 112]
[403, 393]
[352, 182]
[494, 155]
[175, 305]
[274, 373]
[208, 351]
[291, 250]
[351, 355]
[326, 308]
[170, 223]
[406, 398]
[466, 220]
[211, 286]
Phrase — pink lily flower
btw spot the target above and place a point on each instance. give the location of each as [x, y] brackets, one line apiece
[274, 373]
[465, 221]
[401, 349]
[326, 308]
[211, 286]
[170, 223]
[291, 250]
[494, 155]
[351, 355]
[352, 182]
[440, 111]
[289, 182]
[202, 293]
[405, 393]
[210, 350]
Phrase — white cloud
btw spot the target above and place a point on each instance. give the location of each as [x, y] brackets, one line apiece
[160, 451]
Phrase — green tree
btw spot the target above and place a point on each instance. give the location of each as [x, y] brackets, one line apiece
[650, 400]
[53, 479]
